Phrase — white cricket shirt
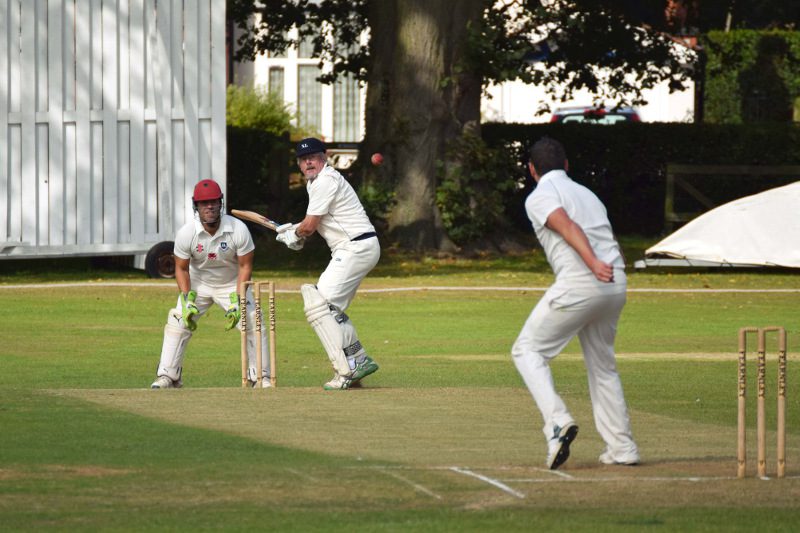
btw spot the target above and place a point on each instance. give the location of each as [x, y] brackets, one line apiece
[332, 198]
[555, 189]
[213, 259]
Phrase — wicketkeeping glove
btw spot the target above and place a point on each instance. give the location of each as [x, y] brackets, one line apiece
[233, 314]
[189, 309]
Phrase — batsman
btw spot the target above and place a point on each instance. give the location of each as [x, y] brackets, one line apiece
[213, 258]
[336, 213]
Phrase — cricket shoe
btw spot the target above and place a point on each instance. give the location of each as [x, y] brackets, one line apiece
[629, 459]
[558, 445]
[363, 369]
[164, 382]
[338, 382]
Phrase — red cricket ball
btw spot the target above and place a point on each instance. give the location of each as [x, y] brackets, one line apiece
[377, 159]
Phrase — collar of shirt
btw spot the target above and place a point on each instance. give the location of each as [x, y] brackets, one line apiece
[554, 174]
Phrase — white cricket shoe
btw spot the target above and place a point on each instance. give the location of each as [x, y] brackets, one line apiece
[558, 445]
[338, 382]
[628, 459]
[265, 383]
[164, 382]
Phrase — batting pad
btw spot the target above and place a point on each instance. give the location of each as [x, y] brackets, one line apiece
[325, 326]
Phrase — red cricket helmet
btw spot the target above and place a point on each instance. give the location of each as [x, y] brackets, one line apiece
[206, 190]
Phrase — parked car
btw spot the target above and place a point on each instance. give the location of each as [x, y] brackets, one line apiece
[595, 115]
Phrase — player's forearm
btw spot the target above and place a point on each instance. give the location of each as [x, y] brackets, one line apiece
[576, 238]
[245, 270]
[308, 226]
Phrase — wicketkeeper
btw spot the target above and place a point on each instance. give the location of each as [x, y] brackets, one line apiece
[213, 257]
[334, 211]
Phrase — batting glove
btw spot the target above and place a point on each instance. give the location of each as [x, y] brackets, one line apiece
[290, 238]
[189, 309]
[233, 314]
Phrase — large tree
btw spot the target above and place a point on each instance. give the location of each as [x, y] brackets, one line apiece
[426, 62]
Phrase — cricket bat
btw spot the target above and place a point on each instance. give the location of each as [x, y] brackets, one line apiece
[252, 216]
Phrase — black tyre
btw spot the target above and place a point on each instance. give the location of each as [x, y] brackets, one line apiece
[159, 262]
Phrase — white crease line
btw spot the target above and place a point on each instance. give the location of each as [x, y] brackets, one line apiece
[416, 486]
[556, 473]
[572, 479]
[493, 482]
[301, 474]
[387, 289]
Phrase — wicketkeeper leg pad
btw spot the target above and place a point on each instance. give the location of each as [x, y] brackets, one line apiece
[173, 350]
[324, 324]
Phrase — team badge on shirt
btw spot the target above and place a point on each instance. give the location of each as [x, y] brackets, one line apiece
[199, 248]
[223, 246]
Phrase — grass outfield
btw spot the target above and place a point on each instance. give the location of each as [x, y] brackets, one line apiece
[443, 438]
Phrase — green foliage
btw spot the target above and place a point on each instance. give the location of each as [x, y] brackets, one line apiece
[257, 109]
[378, 199]
[751, 76]
[473, 189]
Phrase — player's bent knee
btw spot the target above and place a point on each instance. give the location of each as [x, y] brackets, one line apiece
[175, 320]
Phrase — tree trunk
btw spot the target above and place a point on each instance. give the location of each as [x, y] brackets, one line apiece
[418, 99]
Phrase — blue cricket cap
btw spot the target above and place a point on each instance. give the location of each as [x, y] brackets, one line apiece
[310, 145]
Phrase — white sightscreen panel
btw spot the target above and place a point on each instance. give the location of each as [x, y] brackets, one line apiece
[14, 182]
[124, 181]
[40, 39]
[178, 173]
[96, 179]
[204, 73]
[81, 129]
[40, 210]
[80, 152]
[151, 179]
[68, 205]
[4, 95]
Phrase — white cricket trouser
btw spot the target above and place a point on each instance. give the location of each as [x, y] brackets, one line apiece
[348, 266]
[591, 313]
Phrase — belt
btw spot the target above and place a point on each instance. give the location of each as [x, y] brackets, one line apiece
[363, 236]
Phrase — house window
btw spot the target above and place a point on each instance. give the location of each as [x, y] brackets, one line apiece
[305, 49]
[346, 110]
[309, 97]
[276, 77]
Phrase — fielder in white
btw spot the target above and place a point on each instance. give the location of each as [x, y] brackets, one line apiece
[213, 257]
[586, 300]
[336, 213]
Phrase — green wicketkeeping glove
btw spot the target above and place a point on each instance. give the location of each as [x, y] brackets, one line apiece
[233, 314]
[189, 309]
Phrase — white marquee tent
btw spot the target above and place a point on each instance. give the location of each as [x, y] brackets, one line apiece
[758, 230]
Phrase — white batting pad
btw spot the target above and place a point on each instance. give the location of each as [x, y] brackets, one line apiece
[325, 326]
[172, 351]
